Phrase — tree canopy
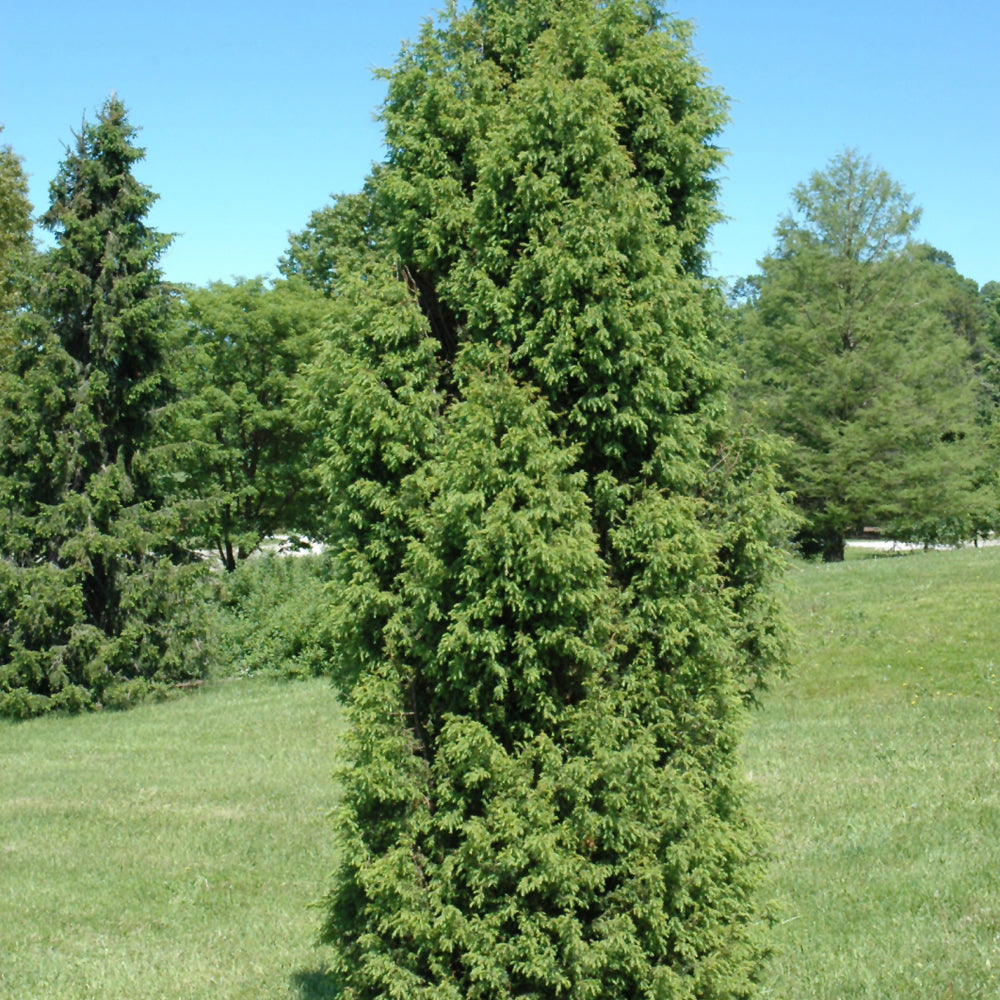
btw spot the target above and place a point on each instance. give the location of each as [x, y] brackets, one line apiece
[240, 453]
[15, 232]
[856, 351]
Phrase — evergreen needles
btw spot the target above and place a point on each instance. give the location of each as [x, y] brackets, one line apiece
[557, 551]
[91, 609]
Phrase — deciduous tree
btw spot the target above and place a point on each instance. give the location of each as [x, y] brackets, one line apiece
[855, 353]
[241, 454]
[334, 243]
[16, 243]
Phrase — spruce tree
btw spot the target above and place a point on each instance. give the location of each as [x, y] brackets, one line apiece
[557, 551]
[89, 605]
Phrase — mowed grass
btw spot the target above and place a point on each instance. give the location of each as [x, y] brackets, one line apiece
[876, 764]
[172, 851]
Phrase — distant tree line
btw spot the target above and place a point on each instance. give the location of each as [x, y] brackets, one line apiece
[145, 424]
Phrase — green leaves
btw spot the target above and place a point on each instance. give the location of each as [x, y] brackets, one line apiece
[15, 233]
[851, 353]
[855, 211]
[234, 446]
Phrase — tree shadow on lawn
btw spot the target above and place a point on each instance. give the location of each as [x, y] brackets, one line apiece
[316, 984]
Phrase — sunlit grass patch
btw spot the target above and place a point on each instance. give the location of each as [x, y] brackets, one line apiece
[171, 851]
[877, 763]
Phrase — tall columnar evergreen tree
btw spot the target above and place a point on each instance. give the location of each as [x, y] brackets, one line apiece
[858, 350]
[557, 551]
[88, 608]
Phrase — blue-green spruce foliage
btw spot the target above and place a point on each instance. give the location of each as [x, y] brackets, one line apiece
[91, 609]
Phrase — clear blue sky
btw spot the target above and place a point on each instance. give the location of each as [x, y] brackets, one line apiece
[252, 115]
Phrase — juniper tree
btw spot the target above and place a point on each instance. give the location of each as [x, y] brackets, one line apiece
[87, 604]
[557, 552]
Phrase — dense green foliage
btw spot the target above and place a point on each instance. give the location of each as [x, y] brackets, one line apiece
[15, 234]
[140, 424]
[91, 610]
[337, 241]
[988, 367]
[556, 547]
[858, 348]
[271, 617]
[234, 449]
[989, 296]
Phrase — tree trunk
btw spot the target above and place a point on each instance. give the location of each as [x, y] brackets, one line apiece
[833, 547]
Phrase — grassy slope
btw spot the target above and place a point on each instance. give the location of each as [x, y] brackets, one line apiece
[877, 764]
[171, 851]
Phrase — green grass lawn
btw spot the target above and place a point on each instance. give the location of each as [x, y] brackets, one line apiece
[171, 851]
[876, 763]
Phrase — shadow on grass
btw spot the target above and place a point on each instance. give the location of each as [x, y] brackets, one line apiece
[316, 984]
